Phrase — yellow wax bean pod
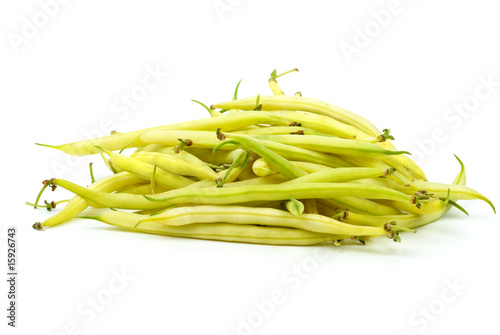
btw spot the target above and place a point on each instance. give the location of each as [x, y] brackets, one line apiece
[332, 145]
[241, 233]
[181, 216]
[359, 127]
[341, 175]
[147, 171]
[175, 165]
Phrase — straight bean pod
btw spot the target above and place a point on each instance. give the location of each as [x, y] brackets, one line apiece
[278, 192]
[265, 216]
[332, 145]
[220, 231]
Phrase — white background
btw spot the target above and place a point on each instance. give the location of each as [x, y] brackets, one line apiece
[64, 79]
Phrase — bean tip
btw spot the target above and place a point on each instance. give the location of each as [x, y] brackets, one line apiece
[359, 239]
[338, 243]
[47, 145]
[220, 135]
[38, 226]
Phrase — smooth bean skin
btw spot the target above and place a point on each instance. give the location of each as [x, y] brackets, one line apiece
[332, 145]
[181, 216]
[340, 175]
[311, 167]
[144, 189]
[241, 233]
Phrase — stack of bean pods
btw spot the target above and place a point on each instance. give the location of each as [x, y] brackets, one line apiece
[277, 169]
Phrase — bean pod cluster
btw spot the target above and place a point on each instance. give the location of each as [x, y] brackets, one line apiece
[276, 169]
